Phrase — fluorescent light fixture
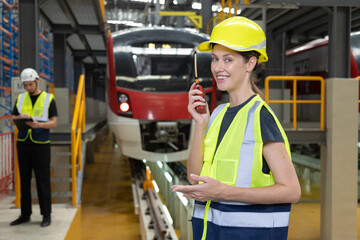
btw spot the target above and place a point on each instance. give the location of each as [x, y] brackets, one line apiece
[160, 164]
[128, 23]
[226, 10]
[196, 5]
[168, 176]
[167, 214]
[151, 50]
[156, 187]
[182, 198]
[215, 8]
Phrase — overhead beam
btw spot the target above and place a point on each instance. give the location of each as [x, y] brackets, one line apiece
[302, 20]
[84, 53]
[273, 17]
[127, 5]
[74, 24]
[317, 3]
[100, 15]
[82, 29]
[288, 17]
[321, 30]
[322, 21]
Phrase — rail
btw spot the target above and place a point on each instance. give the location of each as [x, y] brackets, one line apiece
[77, 127]
[6, 162]
[153, 213]
[295, 101]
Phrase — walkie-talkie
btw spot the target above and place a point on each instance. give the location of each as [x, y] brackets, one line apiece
[199, 109]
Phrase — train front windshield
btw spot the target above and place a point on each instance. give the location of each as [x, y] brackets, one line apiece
[160, 68]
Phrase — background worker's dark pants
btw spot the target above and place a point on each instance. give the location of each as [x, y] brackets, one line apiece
[37, 157]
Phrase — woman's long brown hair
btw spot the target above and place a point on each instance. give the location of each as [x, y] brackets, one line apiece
[247, 56]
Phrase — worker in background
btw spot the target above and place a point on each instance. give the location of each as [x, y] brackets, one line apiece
[33, 145]
[243, 180]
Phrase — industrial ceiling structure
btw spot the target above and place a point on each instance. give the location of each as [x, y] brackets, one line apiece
[86, 25]
[300, 20]
[82, 22]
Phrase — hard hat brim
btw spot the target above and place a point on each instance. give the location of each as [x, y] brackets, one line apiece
[205, 46]
[208, 46]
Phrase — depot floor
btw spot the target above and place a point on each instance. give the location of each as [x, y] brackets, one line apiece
[107, 207]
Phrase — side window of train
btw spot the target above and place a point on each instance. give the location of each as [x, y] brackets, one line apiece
[302, 68]
[142, 64]
[124, 64]
[204, 68]
[297, 68]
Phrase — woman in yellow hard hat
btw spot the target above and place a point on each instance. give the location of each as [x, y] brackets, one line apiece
[239, 165]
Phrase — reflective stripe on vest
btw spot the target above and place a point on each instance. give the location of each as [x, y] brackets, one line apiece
[238, 162]
[38, 111]
[265, 216]
[44, 111]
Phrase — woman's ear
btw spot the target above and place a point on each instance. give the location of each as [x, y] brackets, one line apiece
[251, 64]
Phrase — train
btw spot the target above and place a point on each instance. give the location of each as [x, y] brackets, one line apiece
[311, 59]
[149, 74]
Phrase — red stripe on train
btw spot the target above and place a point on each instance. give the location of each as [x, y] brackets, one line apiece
[158, 106]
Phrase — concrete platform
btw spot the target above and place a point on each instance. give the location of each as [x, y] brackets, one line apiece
[62, 218]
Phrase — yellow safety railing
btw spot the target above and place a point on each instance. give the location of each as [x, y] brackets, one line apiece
[17, 171]
[295, 101]
[50, 87]
[77, 127]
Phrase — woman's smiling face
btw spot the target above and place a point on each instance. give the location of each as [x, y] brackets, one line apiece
[228, 68]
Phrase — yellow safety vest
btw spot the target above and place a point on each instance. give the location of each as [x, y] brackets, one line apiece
[238, 162]
[38, 112]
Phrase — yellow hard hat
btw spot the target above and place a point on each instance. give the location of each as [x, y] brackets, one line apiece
[239, 34]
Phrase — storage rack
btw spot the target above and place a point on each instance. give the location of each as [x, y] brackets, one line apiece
[46, 60]
[8, 60]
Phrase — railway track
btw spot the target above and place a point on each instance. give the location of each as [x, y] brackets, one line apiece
[155, 221]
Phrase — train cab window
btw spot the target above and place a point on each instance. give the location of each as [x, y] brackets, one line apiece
[160, 67]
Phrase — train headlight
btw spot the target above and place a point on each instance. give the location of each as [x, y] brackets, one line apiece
[124, 105]
[123, 98]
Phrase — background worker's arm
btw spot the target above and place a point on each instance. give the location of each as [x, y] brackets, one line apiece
[12, 117]
[52, 123]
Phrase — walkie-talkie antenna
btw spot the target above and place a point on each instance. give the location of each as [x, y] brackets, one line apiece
[195, 64]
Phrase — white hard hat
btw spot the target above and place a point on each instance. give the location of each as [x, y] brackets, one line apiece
[28, 75]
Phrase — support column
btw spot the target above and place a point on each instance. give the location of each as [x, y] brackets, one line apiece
[206, 14]
[275, 52]
[89, 85]
[339, 159]
[339, 42]
[59, 60]
[78, 70]
[29, 34]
